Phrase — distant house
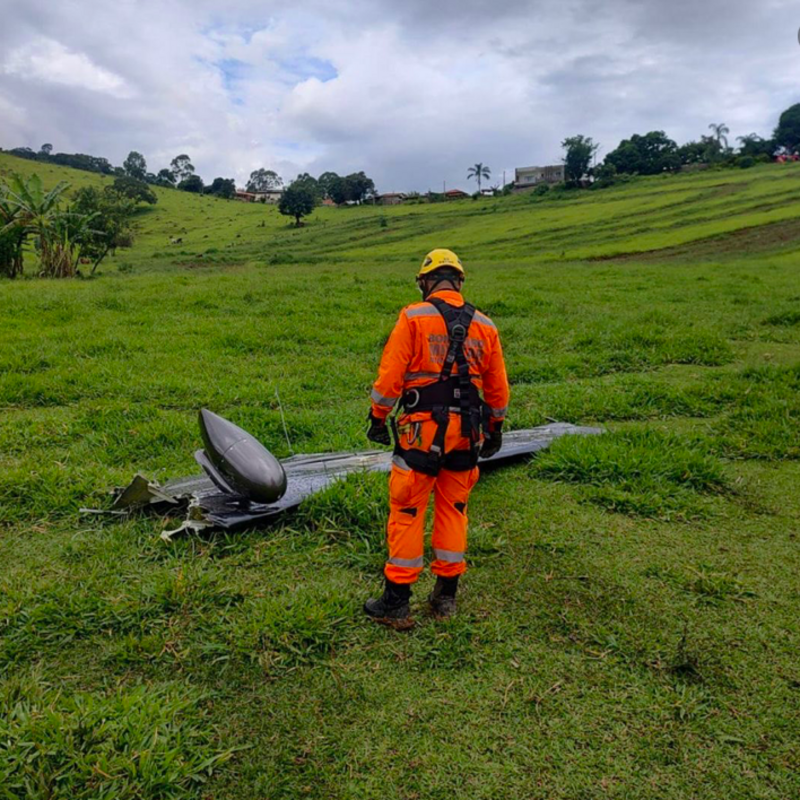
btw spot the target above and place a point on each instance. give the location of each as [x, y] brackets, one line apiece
[455, 194]
[391, 198]
[529, 177]
[272, 196]
[326, 201]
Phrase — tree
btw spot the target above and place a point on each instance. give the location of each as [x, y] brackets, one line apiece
[650, 154]
[707, 151]
[133, 189]
[135, 166]
[297, 202]
[110, 214]
[264, 180]
[222, 187]
[23, 152]
[339, 190]
[787, 134]
[359, 187]
[308, 182]
[82, 161]
[479, 172]
[580, 150]
[325, 181]
[719, 130]
[45, 150]
[165, 177]
[604, 175]
[181, 167]
[192, 183]
[752, 144]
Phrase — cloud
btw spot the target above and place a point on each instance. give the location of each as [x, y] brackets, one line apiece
[410, 92]
[48, 61]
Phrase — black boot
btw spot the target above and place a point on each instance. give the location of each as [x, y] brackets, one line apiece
[443, 597]
[392, 608]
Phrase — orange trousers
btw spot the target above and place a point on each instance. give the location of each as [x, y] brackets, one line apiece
[409, 492]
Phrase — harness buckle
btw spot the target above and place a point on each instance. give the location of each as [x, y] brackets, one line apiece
[458, 332]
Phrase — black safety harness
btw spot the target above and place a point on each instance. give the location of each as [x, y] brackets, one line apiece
[447, 394]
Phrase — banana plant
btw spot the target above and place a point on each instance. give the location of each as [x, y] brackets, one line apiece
[36, 214]
[12, 237]
[71, 232]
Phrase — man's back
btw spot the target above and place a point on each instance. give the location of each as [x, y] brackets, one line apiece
[416, 351]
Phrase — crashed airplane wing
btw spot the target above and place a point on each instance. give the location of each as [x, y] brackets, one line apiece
[241, 474]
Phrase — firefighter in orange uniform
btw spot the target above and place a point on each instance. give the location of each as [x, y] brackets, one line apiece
[443, 365]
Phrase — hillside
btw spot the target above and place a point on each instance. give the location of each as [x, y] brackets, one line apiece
[629, 626]
[648, 215]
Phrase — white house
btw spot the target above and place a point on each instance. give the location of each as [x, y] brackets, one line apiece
[272, 196]
[528, 177]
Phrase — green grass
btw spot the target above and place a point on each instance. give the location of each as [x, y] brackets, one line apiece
[644, 472]
[628, 627]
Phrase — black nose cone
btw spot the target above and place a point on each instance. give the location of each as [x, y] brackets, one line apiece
[243, 461]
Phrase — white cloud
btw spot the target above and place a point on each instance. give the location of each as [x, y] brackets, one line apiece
[410, 92]
[47, 60]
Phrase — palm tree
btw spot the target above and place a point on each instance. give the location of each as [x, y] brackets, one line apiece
[720, 129]
[479, 172]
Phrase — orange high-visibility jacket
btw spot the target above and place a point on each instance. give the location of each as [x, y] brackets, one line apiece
[416, 350]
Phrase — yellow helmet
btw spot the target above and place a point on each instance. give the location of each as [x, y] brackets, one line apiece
[439, 258]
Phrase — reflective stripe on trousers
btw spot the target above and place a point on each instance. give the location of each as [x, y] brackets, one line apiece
[411, 563]
[449, 556]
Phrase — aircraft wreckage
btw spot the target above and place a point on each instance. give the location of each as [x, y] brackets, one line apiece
[243, 485]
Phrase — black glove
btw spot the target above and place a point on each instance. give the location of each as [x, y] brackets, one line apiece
[492, 444]
[378, 431]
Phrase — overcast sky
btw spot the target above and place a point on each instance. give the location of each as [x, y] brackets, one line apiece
[411, 91]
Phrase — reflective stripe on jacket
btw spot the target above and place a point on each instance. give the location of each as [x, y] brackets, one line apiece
[416, 349]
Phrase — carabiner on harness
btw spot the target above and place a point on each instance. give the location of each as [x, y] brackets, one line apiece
[408, 406]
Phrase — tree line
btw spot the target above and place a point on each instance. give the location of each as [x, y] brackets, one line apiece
[654, 152]
[181, 174]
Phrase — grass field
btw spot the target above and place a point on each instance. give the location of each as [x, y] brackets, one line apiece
[629, 625]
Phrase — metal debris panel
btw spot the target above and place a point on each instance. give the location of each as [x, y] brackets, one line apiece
[209, 507]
